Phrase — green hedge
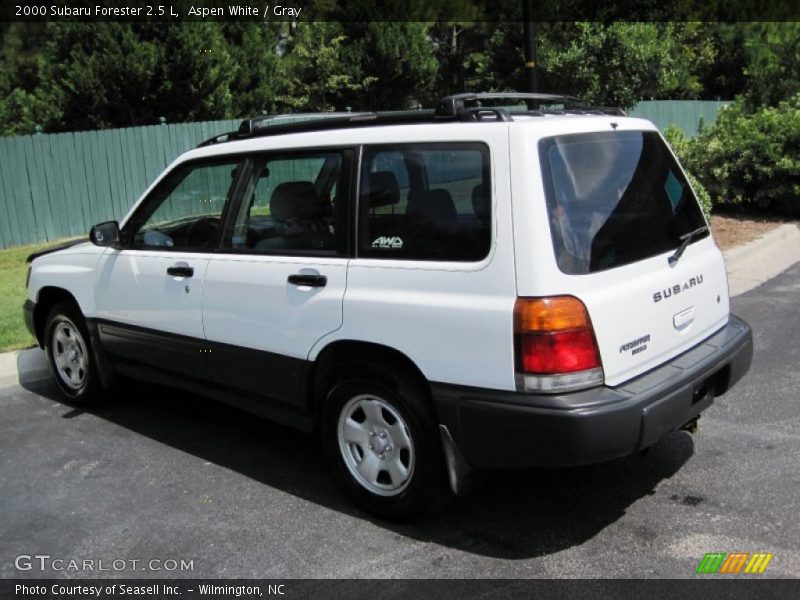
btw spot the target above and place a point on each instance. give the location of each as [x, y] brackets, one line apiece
[747, 158]
[681, 145]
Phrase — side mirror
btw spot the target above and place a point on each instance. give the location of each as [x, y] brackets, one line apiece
[105, 234]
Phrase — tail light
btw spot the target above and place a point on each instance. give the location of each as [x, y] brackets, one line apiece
[554, 345]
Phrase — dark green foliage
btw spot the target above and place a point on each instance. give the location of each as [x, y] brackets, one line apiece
[753, 157]
[748, 157]
[702, 195]
[773, 56]
[72, 76]
[683, 148]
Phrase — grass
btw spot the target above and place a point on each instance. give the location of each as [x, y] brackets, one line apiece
[13, 268]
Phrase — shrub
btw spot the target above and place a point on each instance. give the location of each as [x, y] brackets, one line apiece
[702, 194]
[681, 144]
[684, 148]
[751, 158]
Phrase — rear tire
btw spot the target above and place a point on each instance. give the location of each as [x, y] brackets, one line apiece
[382, 444]
[69, 355]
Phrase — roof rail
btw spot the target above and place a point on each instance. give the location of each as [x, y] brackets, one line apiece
[452, 104]
[459, 107]
[249, 126]
[270, 125]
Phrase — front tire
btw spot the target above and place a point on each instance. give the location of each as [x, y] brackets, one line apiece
[69, 355]
[383, 446]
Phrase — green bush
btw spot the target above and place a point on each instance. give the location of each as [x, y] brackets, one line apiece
[751, 158]
[681, 144]
[702, 194]
[684, 150]
[746, 157]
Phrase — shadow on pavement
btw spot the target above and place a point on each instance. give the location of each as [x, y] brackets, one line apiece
[514, 515]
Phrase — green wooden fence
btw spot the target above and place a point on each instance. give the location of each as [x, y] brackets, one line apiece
[57, 185]
[689, 115]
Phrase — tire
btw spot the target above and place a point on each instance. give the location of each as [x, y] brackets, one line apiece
[382, 443]
[69, 355]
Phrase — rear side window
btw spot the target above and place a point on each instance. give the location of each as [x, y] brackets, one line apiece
[425, 202]
[614, 198]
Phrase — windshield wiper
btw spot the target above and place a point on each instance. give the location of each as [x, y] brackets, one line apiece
[686, 238]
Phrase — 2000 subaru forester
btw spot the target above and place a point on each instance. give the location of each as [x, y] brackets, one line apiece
[477, 286]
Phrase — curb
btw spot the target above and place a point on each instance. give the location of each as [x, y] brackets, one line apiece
[758, 261]
[748, 266]
[22, 366]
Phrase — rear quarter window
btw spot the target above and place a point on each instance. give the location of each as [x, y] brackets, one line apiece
[425, 202]
[614, 198]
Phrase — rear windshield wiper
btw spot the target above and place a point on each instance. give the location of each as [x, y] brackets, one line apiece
[686, 238]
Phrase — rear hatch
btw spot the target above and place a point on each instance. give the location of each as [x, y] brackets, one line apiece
[631, 242]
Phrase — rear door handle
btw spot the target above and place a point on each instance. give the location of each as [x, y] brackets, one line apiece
[683, 319]
[180, 271]
[308, 280]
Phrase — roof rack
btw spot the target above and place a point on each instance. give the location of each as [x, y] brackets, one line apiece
[459, 107]
[451, 105]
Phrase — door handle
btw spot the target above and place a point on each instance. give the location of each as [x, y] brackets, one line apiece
[683, 319]
[308, 280]
[180, 271]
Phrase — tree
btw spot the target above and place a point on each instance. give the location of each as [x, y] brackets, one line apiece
[616, 64]
[258, 78]
[195, 72]
[98, 75]
[461, 50]
[692, 53]
[317, 74]
[394, 60]
[22, 105]
[773, 54]
[723, 77]
[121, 74]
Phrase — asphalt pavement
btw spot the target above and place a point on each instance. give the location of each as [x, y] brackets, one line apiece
[163, 475]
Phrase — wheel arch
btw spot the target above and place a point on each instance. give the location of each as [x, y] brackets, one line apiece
[46, 299]
[336, 360]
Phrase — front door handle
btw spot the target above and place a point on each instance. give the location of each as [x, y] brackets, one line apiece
[308, 280]
[180, 271]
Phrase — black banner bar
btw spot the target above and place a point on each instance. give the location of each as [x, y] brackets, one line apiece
[175, 11]
[194, 589]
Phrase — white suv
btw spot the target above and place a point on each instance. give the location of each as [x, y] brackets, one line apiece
[431, 292]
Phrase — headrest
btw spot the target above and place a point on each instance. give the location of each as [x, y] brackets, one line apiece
[296, 200]
[481, 203]
[437, 206]
[382, 188]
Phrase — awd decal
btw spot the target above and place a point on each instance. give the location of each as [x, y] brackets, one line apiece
[734, 563]
[386, 241]
[677, 288]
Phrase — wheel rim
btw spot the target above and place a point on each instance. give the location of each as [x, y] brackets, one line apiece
[376, 445]
[70, 358]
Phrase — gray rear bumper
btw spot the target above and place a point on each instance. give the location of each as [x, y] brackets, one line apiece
[493, 429]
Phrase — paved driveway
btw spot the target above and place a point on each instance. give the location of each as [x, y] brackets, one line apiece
[161, 475]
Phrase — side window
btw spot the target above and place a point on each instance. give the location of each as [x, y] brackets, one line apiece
[294, 205]
[185, 213]
[426, 202]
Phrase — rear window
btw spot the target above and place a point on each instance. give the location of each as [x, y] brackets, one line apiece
[425, 202]
[614, 198]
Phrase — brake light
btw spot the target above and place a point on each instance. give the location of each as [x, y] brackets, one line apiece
[555, 347]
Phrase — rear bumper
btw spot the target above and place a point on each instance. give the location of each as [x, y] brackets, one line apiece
[495, 429]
